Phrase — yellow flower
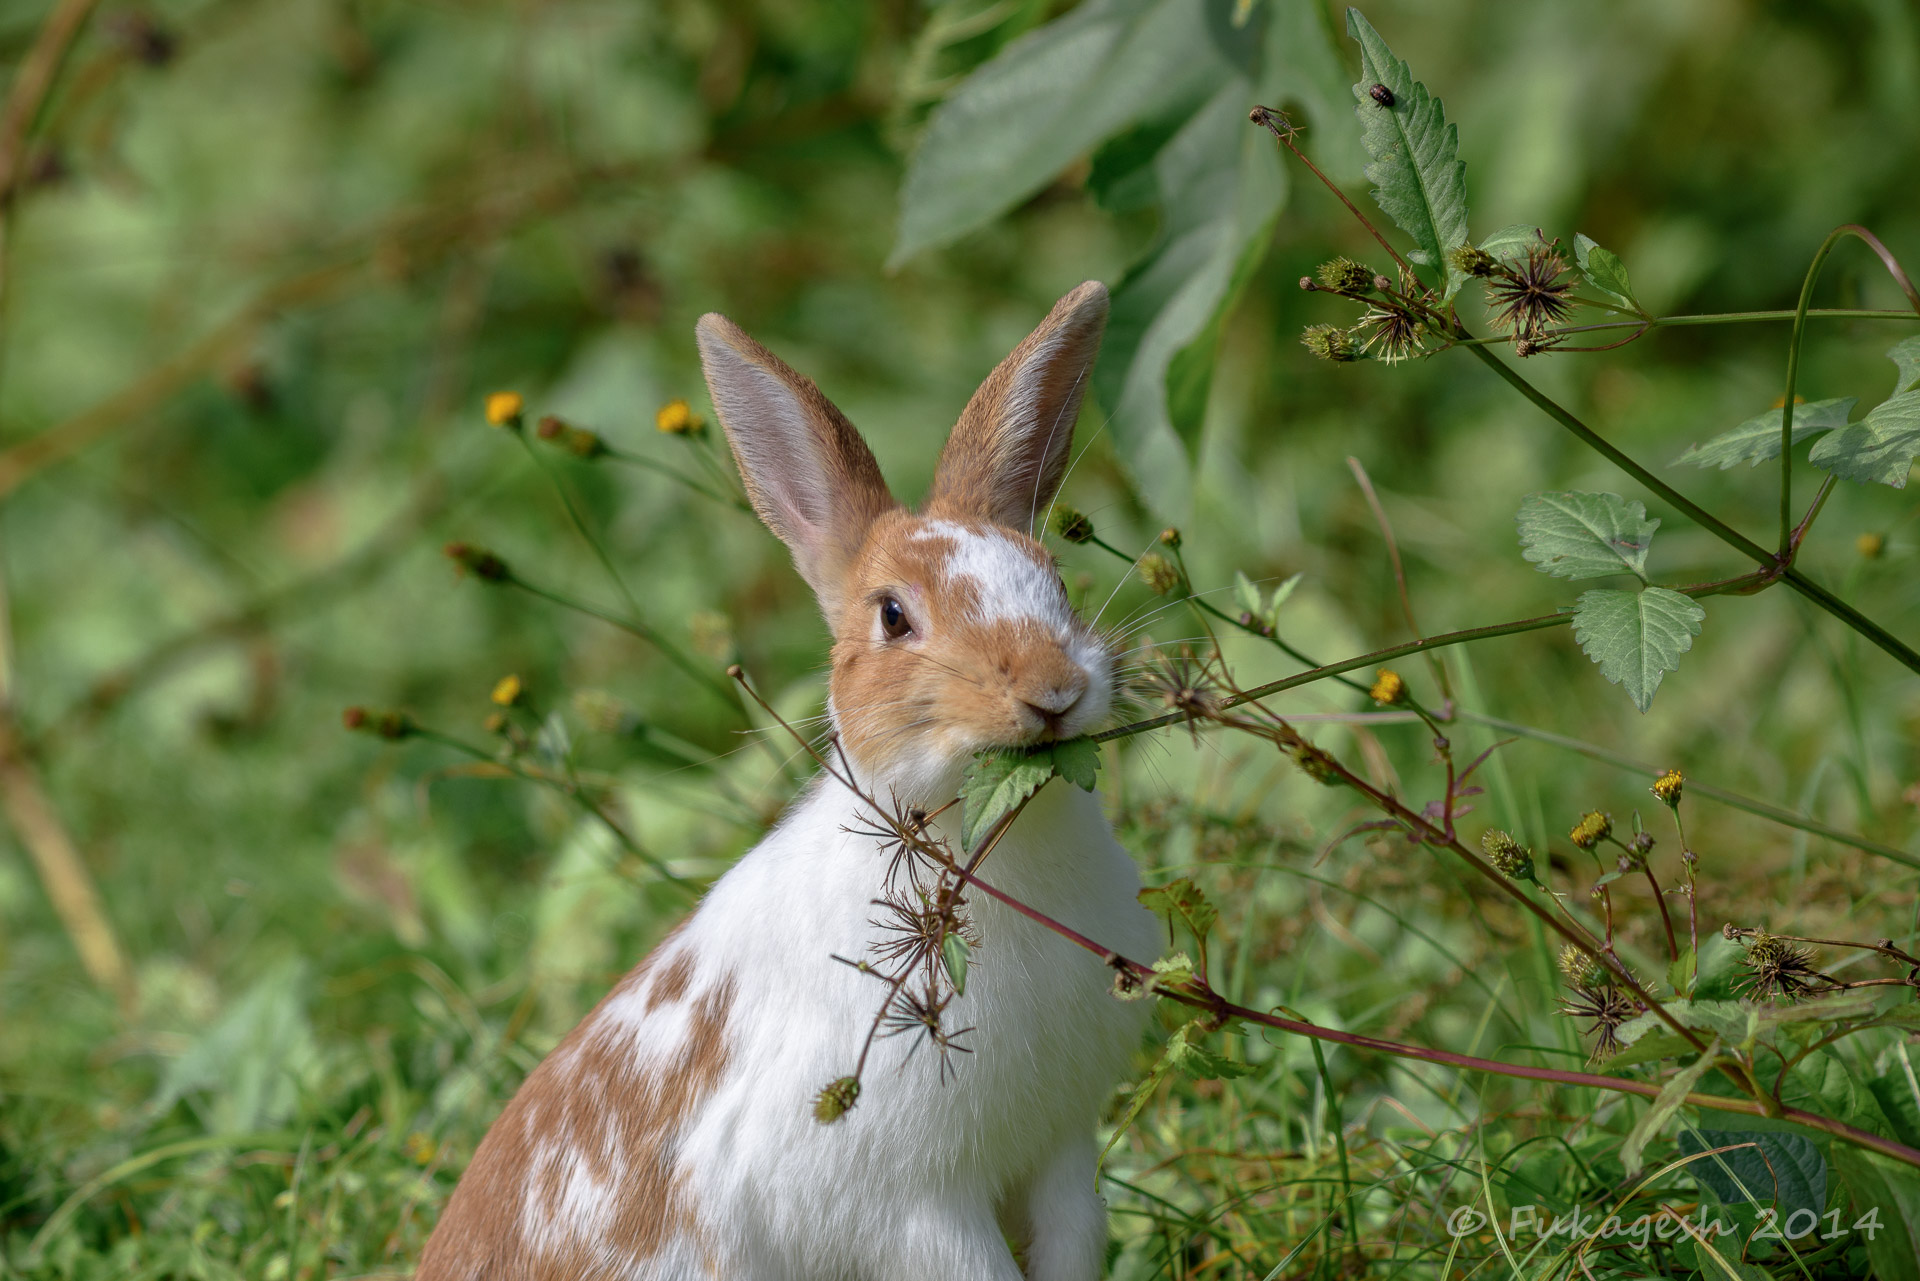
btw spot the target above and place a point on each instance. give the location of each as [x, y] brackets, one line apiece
[504, 408]
[1592, 828]
[1667, 787]
[677, 418]
[1388, 688]
[508, 691]
[1870, 546]
[420, 1148]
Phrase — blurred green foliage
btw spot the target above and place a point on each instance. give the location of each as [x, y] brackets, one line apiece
[264, 261]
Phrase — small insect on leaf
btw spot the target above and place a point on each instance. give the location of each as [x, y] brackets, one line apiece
[954, 954]
[1381, 94]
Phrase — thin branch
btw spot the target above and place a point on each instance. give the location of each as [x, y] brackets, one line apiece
[1399, 571]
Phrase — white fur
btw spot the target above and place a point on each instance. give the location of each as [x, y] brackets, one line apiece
[920, 1178]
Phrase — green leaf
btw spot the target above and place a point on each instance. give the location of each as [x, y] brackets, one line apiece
[1671, 1096]
[1078, 761]
[1880, 448]
[1636, 637]
[1198, 1062]
[1785, 1171]
[1906, 357]
[1649, 1047]
[1898, 1094]
[1418, 180]
[1246, 595]
[1280, 595]
[954, 954]
[1758, 439]
[1874, 1183]
[995, 786]
[1220, 189]
[1510, 244]
[1181, 901]
[1604, 270]
[1043, 102]
[1142, 1095]
[1578, 535]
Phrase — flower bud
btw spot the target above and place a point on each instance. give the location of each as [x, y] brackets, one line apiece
[677, 418]
[1388, 689]
[836, 1100]
[478, 561]
[1072, 525]
[1508, 856]
[1870, 546]
[1329, 342]
[1171, 537]
[507, 691]
[1668, 786]
[1473, 262]
[1158, 573]
[1581, 969]
[504, 409]
[1345, 276]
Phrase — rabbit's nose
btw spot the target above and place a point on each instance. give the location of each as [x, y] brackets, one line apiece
[1052, 704]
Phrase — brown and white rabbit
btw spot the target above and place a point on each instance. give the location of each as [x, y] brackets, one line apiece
[672, 1134]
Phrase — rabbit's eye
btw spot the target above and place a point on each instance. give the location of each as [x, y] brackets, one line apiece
[893, 619]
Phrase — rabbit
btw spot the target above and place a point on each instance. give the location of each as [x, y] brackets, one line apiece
[673, 1133]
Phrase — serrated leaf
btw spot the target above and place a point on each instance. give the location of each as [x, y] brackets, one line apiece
[1758, 439]
[1173, 970]
[1280, 595]
[1671, 1096]
[1782, 1170]
[1510, 244]
[1579, 535]
[1138, 1100]
[1636, 637]
[1078, 761]
[1604, 270]
[1419, 180]
[1906, 357]
[995, 786]
[1182, 901]
[1880, 448]
[954, 954]
[1246, 595]
[1044, 101]
[1200, 1063]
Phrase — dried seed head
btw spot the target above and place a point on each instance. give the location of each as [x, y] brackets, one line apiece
[1524, 347]
[548, 427]
[1668, 786]
[478, 561]
[1592, 828]
[1388, 689]
[1329, 342]
[677, 418]
[576, 440]
[1306, 283]
[1072, 525]
[836, 1100]
[1508, 856]
[1473, 262]
[504, 409]
[1345, 276]
[1158, 573]
[1532, 295]
[507, 691]
[1777, 969]
[1604, 1008]
[1391, 334]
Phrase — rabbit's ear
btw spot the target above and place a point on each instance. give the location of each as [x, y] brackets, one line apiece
[809, 475]
[1009, 452]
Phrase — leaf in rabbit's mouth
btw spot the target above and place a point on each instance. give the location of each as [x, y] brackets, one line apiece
[999, 782]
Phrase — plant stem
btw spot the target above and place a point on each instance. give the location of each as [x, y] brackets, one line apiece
[1773, 565]
[1211, 1001]
[1691, 321]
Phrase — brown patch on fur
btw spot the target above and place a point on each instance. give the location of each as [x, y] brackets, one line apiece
[588, 1111]
[964, 674]
[671, 985]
